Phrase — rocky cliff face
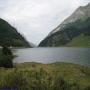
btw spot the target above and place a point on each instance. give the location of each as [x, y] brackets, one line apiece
[78, 23]
[10, 37]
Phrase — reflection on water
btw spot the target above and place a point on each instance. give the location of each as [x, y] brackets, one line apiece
[49, 55]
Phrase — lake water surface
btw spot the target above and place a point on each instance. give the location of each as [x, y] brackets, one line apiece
[50, 55]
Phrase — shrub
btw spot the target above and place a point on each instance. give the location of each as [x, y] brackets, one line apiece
[6, 58]
[6, 51]
[6, 61]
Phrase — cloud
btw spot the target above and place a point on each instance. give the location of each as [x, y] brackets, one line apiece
[36, 18]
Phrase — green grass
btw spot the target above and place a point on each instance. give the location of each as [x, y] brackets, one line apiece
[37, 76]
[80, 41]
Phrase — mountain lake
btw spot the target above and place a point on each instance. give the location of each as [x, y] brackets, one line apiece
[50, 55]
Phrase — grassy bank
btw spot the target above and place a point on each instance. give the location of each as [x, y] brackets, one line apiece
[55, 76]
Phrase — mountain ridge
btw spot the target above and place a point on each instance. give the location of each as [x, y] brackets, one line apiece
[60, 36]
[75, 16]
[9, 36]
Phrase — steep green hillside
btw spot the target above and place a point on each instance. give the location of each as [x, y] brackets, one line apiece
[79, 41]
[10, 37]
[70, 31]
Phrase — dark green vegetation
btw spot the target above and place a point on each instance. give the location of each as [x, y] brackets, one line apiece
[6, 57]
[74, 34]
[79, 41]
[6, 51]
[56, 76]
[10, 37]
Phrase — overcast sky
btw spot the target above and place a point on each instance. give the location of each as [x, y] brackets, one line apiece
[36, 18]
